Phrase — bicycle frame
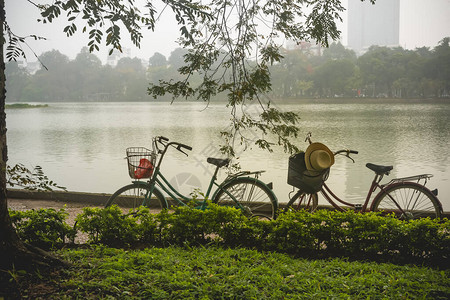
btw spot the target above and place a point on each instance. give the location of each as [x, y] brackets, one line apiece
[330, 196]
[159, 180]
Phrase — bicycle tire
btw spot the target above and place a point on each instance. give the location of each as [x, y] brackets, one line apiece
[132, 196]
[307, 202]
[414, 199]
[256, 198]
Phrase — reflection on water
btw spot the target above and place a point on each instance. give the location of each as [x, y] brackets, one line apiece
[82, 145]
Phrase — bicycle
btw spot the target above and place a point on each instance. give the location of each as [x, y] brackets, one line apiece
[242, 190]
[407, 198]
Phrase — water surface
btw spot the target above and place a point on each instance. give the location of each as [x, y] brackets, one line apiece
[82, 145]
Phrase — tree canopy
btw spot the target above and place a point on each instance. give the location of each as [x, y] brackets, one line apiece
[299, 74]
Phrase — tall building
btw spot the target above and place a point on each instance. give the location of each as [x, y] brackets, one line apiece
[373, 24]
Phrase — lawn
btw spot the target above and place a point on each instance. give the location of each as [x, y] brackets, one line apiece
[217, 273]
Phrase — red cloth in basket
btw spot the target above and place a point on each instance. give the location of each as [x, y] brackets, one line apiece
[144, 170]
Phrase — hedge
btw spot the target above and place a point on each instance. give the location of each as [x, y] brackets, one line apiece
[322, 234]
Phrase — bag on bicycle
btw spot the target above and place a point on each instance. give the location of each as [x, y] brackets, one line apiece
[144, 170]
[300, 177]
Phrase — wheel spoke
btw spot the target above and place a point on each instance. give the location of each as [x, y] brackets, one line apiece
[408, 201]
[308, 202]
[132, 196]
[253, 197]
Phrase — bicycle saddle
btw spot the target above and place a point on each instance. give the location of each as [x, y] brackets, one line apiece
[219, 162]
[379, 170]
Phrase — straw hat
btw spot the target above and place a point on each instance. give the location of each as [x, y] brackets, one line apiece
[318, 157]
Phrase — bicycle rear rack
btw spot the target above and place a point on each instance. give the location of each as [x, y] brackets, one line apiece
[411, 178]
[245, 173]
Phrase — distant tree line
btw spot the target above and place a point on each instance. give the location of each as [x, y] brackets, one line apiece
[380, 72]
[338, 72]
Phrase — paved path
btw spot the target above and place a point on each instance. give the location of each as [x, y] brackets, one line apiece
[73, 208]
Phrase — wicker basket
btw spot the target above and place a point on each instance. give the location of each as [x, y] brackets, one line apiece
[141, 162]
[301, 178]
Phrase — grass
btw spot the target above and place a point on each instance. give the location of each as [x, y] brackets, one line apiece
[216, 273]
[25, 105]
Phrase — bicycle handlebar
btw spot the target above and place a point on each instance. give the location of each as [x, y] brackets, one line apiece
[347, 153]
[179, 146]
[162, 138]
[164, 141]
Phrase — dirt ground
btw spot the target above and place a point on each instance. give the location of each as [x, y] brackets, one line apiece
[73, 208]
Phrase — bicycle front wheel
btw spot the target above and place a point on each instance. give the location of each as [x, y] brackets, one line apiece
[306, 201]
[131, 196]
[253, 197]
[407, 200]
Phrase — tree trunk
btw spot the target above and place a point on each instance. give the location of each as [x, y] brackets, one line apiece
[14, 253]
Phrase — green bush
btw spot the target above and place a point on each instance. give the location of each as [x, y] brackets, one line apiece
[321, 234]
[425, 232]
[366, 236]
[109, 226]
[44, 228]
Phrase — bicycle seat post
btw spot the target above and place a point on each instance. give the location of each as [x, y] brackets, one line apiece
[211, 182]
[218, 163]
[214, 177]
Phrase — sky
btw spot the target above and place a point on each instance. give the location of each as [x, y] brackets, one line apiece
[422, 23]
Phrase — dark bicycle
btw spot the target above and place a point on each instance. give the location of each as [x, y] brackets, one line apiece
[408, 197]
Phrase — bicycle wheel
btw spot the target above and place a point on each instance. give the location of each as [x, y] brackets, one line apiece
[306, 201]
[131, 196]
[254, 197]
[407, 200]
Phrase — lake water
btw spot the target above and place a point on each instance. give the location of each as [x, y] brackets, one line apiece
[82, 145]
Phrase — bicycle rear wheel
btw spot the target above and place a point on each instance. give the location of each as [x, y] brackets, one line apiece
[254, 197]
[306, 201]
[407, 200]
[131, 196]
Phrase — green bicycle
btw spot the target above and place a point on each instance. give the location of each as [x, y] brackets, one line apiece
[242, 190]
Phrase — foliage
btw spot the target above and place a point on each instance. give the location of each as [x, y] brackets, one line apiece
[108, 226]
[102, 17]
[217, 273]
[357, 235]
[245, 43]
[44, 228]
[24, 105]
[235, 270]
[322, 234]
[35, 180]
[157, 60]
[338, 73]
